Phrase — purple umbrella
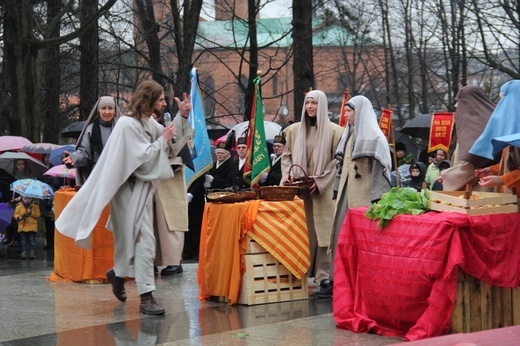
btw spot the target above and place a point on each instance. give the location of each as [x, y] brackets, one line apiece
[6, 216]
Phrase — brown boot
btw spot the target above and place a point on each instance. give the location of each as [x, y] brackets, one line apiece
[149, 305]
[118, 285]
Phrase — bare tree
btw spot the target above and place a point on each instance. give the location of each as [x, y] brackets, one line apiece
[24, 39]
[303, 63]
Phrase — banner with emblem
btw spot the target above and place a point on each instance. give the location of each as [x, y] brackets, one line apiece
[343, 112]
[257, 160]
[200, 147]
[441, 130]
[385, 123]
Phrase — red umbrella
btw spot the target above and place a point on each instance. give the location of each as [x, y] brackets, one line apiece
[13, 142]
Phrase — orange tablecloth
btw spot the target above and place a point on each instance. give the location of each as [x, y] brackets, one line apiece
[278, 226]
[72, 263]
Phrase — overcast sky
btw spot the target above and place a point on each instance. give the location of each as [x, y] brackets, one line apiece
[277, 9]
[274, 9]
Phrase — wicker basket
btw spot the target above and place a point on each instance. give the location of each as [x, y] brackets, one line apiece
[231, 197]
[303, 184]
[279, 193]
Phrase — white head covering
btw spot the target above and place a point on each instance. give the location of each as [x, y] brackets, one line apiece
[369, 140]
[105, 101]
[321, 156]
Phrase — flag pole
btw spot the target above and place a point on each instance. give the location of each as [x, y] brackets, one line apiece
[392, 144]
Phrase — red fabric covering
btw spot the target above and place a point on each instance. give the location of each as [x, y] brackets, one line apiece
[402, 280]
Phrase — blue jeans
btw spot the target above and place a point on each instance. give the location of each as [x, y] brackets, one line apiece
[27, 238]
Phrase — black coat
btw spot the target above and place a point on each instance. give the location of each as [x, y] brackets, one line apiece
[221, 175]
[236, 176]
[275, 174]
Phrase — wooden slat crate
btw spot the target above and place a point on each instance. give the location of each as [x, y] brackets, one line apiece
[486, 203]
[253, 247]
[266, 280]
[479, 306]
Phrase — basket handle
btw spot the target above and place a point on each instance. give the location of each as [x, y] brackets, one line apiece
[301, 168]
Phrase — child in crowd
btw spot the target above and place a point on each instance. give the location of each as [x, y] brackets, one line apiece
[417, 174]
[437, 185]
[26, 214]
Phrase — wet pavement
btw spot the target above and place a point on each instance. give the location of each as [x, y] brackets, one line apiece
[37, 312]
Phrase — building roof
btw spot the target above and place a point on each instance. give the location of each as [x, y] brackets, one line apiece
[274, 32]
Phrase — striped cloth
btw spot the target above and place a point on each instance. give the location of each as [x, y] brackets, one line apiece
[280, 227]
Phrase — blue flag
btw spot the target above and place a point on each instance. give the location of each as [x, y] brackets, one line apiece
[201, 150]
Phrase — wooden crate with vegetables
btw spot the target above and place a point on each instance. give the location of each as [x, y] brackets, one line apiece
[472, 202]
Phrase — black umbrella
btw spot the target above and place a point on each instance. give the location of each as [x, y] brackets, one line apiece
[418, 126]
[73, 130]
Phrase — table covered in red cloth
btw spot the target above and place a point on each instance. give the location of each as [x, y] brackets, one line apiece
[401, 280]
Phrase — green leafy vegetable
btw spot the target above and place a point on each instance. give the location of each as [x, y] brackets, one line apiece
[399, 200]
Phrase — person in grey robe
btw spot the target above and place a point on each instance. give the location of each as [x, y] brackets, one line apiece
[364, 167]
[93, 138]
[311, 145]
[133, 161]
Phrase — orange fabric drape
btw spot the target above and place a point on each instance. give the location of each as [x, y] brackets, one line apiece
[222, 249]
[279, 227]
[72, 263]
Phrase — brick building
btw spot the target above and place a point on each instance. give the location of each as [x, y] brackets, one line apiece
[220, 57]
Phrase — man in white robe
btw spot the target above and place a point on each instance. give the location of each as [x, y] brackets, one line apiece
[134, 159]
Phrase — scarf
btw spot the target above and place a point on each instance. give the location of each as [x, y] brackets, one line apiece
[320, 153]
[95, 139]
[504, 121]
[369, 140]
[473, 112]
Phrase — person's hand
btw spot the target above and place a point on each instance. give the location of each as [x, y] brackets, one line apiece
[490, 181]
[208, 180]
[28, 211]
[264, 177]
[189, 197]
[313, 188]
[440, 179]
[67, 160]
[184, 105]
[482, 172]
[169, 133]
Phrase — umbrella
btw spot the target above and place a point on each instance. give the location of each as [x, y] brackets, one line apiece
[55, 157]
[40, 148]
[13, 142]
[32, 188]
[7, 162]
[6, 216]
[271, 129]
[418, 126]
[73, 130]
[61, 171]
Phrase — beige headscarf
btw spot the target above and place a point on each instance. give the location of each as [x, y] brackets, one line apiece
[321, 156]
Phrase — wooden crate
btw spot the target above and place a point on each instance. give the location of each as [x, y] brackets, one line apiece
[253, 247]
[479, 306]
[266, 280]
[486, 203]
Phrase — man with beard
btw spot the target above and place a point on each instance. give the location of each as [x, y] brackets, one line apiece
[171, 205]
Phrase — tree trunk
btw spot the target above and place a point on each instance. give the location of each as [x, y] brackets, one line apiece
[89, 58]
[21, 66]
[149, 29]
[253, 58]
[184, 36]
[51, 80]
[302, 53]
